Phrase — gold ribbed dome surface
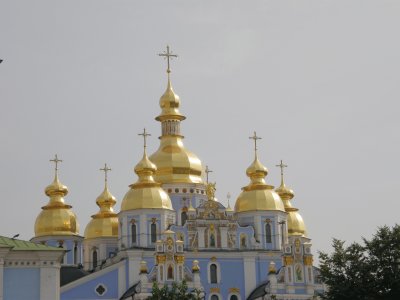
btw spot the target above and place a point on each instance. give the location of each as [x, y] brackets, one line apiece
[56, 218]
[258, 196]
[175, 164]
[105, 222]
[146, 193]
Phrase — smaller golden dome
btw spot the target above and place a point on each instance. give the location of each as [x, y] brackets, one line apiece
[258, 195]
[146, 193]
[56, 217]
[295, 222]
[105, 222]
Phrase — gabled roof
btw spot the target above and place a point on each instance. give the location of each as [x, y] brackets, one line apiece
[71, 273]
[20, 245]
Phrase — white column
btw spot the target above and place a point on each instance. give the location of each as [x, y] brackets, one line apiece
[250, 272]
[124, 232]
[121, 280]
[224, 237]
[134, 267]
[200, 237]
[50, 283]
[143, 238]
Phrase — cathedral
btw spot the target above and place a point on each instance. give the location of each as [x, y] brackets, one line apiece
[170, 227]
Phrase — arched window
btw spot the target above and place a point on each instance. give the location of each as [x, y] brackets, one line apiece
[75, 254]
[233, 297]
[133, 232]
[94, 258]
[268, 233]
[213, 273]
[170, 273]
[214, 297]
[153, 232]
[183, 218]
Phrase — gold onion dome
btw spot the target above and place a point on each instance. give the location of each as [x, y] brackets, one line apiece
[295, 222]
[257, 195]
[175, 164]
[56, 217]
[105, 222]
[146, 193]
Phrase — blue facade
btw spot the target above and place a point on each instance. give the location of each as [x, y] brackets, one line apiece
[21, 283]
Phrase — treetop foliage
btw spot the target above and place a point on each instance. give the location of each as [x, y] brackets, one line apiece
[367, 271]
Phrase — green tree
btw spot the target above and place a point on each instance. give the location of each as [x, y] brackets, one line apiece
[177, 291]
[367, 271]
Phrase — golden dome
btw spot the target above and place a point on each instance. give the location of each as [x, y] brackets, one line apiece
[258, 195]
[105, 222]
[56, 218]
[146, 193]
[295, 222]
[175, 164]
[169, 103]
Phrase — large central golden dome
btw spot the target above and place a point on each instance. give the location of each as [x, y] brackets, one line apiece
[175, 164]
[56, 218]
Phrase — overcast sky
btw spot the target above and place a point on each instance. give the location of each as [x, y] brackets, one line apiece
[318, 81]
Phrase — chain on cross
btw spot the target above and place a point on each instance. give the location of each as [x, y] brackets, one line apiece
[106, 169]
[169, 56]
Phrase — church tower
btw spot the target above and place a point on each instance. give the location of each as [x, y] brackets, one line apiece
[178, 170]
[258, 205]
[297, 257]
[56, 225]
[101, 233]
[146, 210]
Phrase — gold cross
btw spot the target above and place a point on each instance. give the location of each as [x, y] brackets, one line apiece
[144, 135]
[105, 170]
[255, 138]
[168, 55]
[55, 160]
[208, 171]
[282, 166]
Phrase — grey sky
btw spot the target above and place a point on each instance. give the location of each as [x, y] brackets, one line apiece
[318, 80]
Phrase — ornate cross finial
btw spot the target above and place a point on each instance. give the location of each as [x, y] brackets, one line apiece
[55, 160]
[106, 169]
[282, 166]
[168, 55]
[255, 138]
[144, 135]
[228, 196]
[208, 171]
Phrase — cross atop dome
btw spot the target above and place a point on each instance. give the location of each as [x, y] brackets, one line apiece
[168, 55]
[55, 160]
[255, 138]
[145, 134]
[106, 169]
